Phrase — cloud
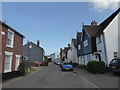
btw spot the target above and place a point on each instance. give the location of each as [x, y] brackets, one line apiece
[102, 5]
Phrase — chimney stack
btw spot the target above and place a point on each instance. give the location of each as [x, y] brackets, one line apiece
[38, 42]
[93, 23]
[68, 45]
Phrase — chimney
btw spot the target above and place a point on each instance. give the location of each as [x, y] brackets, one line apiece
[68, 45]
[38, 42]
[60, 49]
[93, 23]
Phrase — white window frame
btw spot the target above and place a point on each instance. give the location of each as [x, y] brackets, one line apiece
[85, 43]
[17, 63]
[79, 46]
[12, 41]
[10, 54]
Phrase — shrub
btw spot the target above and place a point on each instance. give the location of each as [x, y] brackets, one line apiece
[45, 63]
[22, 69]
[96, 67]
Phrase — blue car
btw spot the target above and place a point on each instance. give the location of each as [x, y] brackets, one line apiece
[66, 66]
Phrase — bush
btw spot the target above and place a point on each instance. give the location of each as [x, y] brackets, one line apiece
[22, 69]
[45, 63]
[96, 67]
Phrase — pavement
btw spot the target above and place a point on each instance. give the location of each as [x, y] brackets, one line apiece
[53, 77]
[107, 80]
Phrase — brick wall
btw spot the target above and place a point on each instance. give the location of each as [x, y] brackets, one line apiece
[17, 48]
[0, 50]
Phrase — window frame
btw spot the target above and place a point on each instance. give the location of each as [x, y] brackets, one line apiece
[79, 46]
[85, 43]
[10, 62]
[17, 63]
[12, 39]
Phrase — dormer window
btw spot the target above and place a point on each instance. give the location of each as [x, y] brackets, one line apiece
[10, 38]
[85, 43]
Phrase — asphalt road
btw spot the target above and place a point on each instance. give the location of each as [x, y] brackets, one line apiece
[51, 77]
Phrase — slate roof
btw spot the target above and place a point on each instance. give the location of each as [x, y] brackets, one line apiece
[5, 25]
[106, 22]
[34, 45]
[66, 49]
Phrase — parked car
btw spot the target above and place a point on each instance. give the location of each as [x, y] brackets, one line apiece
[57, 63]
[38, 63]
[114, 66]
[66, 66]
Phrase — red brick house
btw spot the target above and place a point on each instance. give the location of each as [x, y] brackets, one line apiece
[11, 43]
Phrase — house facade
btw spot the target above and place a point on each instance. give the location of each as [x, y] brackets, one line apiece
[33, 52]
[55, 56]
[80, 48]
[107, 38]
[72, 53]
[10, 48]
[64, 53]
[99, 42]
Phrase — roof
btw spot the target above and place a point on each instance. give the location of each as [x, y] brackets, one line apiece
[106, 22]
[34, 44]
[66, 49]
[74, 41]
[79, 34]
[91, 30]
[95, 30]
[5, 25]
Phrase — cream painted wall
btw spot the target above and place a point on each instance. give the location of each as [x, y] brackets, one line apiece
[111, 39]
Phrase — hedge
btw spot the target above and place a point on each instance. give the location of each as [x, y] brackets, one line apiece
[96, 67]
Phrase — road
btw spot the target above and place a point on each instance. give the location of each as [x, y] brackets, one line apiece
[51, 77]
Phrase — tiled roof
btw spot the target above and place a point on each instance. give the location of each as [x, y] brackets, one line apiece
[91, 30]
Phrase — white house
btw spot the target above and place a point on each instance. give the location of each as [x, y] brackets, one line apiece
[74, 50]
[107, 38]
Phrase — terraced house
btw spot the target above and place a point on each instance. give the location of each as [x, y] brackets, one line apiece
[99, 42]
[10, 48]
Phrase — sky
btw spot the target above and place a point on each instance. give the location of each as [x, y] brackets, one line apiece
[53, 23]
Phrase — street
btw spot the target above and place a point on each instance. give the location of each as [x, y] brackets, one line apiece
[53, 77]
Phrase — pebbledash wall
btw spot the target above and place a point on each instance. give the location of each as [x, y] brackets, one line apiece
[15, 50]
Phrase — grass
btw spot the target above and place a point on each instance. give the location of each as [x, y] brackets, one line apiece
[29, 70]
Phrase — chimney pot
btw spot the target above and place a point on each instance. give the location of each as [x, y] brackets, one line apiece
[69, 45]
[93, 23]
[38, 42]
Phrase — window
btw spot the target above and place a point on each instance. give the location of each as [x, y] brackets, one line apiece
[85, 43]
[79, 46]
[8, 61]
[10, 39]
[115, 54]
[99, 39]
[17, 61]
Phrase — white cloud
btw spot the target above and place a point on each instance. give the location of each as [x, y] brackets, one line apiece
[102, 5]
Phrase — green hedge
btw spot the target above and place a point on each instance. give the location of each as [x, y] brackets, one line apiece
[96, 66]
